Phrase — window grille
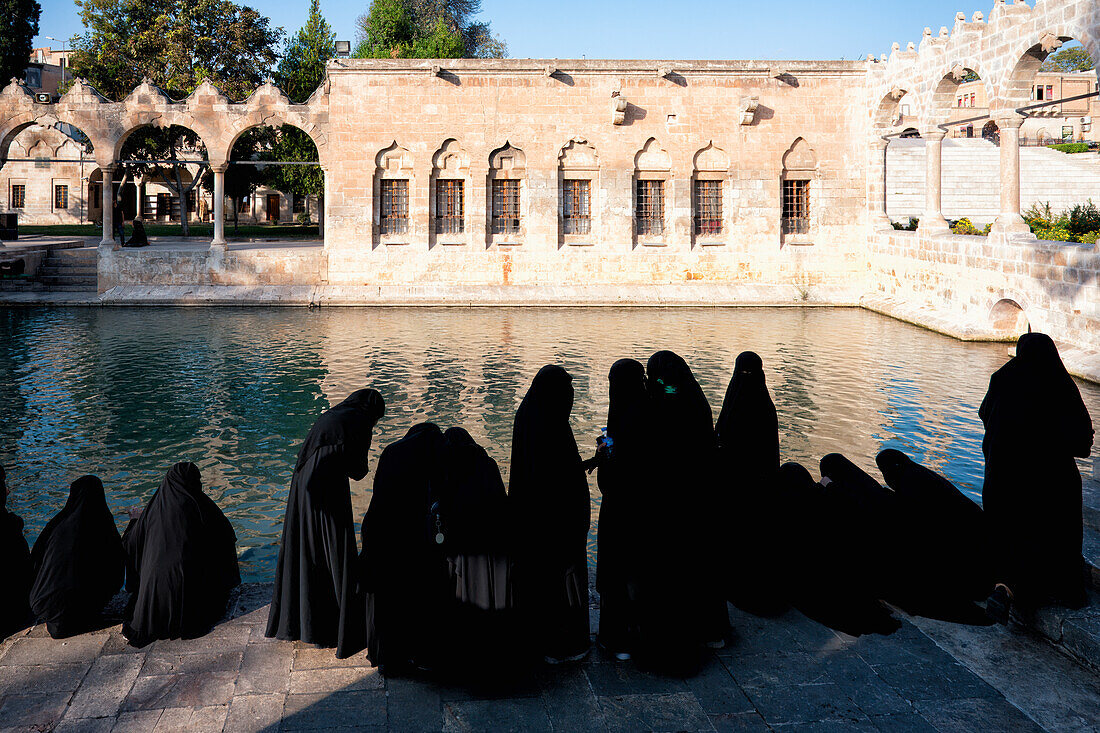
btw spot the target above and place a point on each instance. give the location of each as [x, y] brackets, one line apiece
[299, 204]
[650, 212]
[796, 207]
[395, 206]
[449, 218]
[506, 207]
[18, 196]
[708, 207]
[60, 197]
[577, 209]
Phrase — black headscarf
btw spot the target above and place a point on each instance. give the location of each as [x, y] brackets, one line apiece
[1035, 423]
[78, 561]
[397, 568]
[943, 533]
[551, 511]
[181, 561]
[748, 426]
[15, 575]
[469, 495]
[316, 598]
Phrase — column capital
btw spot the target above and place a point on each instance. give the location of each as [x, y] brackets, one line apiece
[1008, 119]
[221, 168]
[935, 133]
[879, 144]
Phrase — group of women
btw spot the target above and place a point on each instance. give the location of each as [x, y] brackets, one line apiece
[457, 570]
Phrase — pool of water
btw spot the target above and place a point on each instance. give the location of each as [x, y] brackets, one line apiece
[125, 392]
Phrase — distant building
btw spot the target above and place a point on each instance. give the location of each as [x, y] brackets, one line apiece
[1053, 123]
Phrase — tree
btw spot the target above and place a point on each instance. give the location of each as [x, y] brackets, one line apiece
[179, 145]
[1069, 60]
[302, 68]
[477, 38]
[294, 145]
[174, 43]
[18, 27]
[426, 29]
[386, 31]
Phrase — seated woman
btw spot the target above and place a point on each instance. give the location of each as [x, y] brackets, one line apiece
[468, 527]
[181, 562]
[397, 567]
[550, 511]
[78, 562]
[1035, 426]
[138, 239]
[15, 570]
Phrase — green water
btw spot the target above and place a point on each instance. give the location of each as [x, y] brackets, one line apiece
[126, 392]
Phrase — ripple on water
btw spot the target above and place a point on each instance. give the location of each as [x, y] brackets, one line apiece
[124, 393]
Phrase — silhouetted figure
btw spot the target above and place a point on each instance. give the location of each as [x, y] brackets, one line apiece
[316, 597]
[626, 484]
[468, 527]
[943, 564]
[1035, 424]
[138, 238]
[118, 219]
[181, 562]
[15, 568]
[78, 562]
[397, 568]
[688, 517]
[748, 448]
[551, 514]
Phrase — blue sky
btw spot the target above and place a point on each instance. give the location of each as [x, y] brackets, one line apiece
[680, 29]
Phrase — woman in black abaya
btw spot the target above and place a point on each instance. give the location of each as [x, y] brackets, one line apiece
[468, 527]
[397, 568]
[688, 519]
[15, 561]
[316, 598]
[78, 562]
[748, 460]
[550, 508]
[624, 479]
[1035, 424]
[181, 562]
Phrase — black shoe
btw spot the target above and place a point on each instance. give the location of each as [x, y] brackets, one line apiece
[999, 605]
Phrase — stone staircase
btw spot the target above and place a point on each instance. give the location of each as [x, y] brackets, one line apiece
[64, 270]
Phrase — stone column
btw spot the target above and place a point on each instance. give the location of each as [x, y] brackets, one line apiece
[108, 200]
[933, 220]
[219, 206]
[876, 185]
[1010, 221]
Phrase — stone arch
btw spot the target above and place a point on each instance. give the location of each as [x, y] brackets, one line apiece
[394, 181]
[256, 119]
[991, 132]
[886, 113]
[450, 194]
[507, 158]
[712, 159]
[1026, 59]
[394, 158]
[450, 157]
[133, 122]
[1008, 319]
[800, 157]
[15, 127]
[578, 179]
[910, 133]
[506, 201]
[652, 157]
[578, 154]
[942, 100]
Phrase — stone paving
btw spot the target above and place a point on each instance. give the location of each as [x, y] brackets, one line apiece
[783, 674]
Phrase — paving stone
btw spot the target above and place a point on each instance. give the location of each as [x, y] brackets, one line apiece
[716, 690]
[1081, 637]
[220, 638]
[334, 680]
[568, 697]
[413, 705]
[902, 723]
[181, 691]
[310, 657]
[250, 713]
[759, 670]
[672, 712]
[136, 721]
[105, 687]
[265, 668]
[69, 724]
[503, 716]
[927, 682]
[160, 662]
[612, 680]
[251, 603]
[828, 726]
[320, 711]
[33, 712]
[860, 683]
[192, 719]
[742, 722]
[44, 651]
[981, 714]
[28, 680]
[804, 703]
[117, 644]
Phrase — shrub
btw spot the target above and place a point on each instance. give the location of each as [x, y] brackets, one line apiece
[303, 218]
[1054, 233]
[1089, 238]
[1084, 218]
[965, 226]
[1040, 215]
[914, 222]
[1071, 148]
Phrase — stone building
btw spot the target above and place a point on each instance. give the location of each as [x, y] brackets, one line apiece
[1052, 123]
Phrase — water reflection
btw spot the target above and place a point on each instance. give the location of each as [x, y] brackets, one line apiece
[125, 393]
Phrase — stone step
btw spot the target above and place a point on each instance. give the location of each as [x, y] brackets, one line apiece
[19, 284]
[66, 270]
[82, 258]
[52, 281]
[1075, 632]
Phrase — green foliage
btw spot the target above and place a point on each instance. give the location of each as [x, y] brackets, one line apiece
[1070, 59]
[1083, 218]
[1053, 234]
[1078, 224]
[292, 144]
[426, 29]
[1071, 148]
[303, 218]
[914, 222]
[18, 27]
[175, 43]
[965, 226]
[1089, 238]
[1040, 215]
[302, 68]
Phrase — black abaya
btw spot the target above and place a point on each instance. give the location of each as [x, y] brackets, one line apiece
[15, 568]
[78, 562]
[1035, 423]
[747, 432]
[625, 478]
[550, 514]
[944, 556]
[686, 515]
[316, 598]
[397, 566]
[181, 562]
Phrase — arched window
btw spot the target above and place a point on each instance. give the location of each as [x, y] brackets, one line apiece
[708, 194]
[652, 173]
[507, 171]
[450, 184]
[799, 171]
[578, 180]
[393, 183]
